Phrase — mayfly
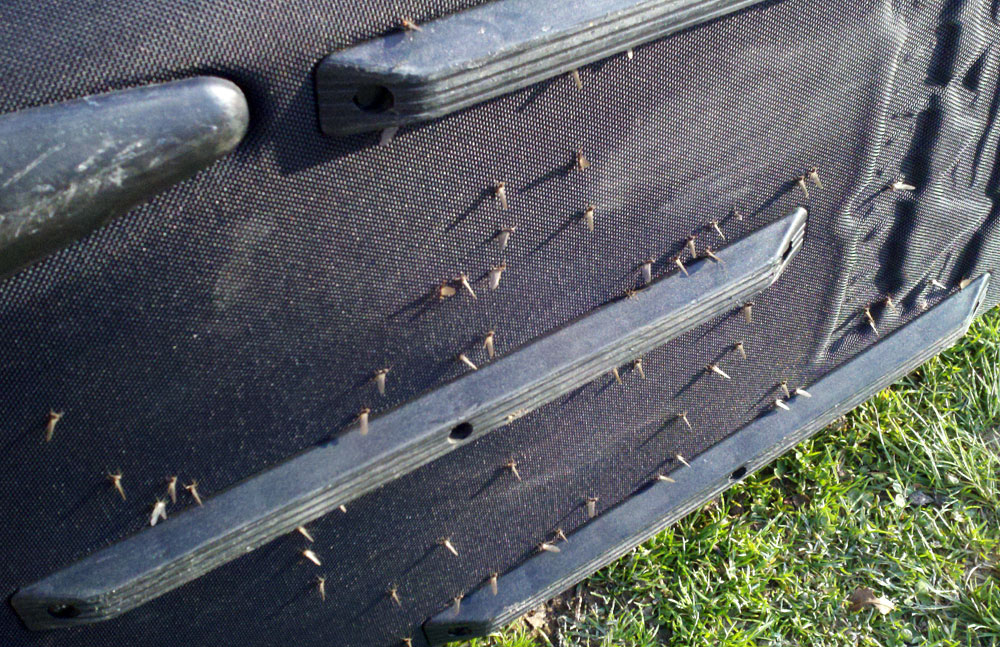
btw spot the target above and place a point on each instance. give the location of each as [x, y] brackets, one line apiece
[363, 420]
[503, 237]
[379, 380]
[814, 177]
[647, 270]
[801, 181]
[488, 344]
[116, 483]
[446, 542]
[159, 512]
[50, 425]
[321, 587]
[172, 489]
[464, 280]
[495, 275]
[468, 362]
[409, 25]
[588, 217]
[718, 371]
[500, 191]
[192, 489]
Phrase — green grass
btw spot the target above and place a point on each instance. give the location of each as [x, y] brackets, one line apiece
[775, 559]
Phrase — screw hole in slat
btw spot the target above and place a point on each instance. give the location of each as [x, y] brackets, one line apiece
[460, 432]
[374, 98]
[64, 611]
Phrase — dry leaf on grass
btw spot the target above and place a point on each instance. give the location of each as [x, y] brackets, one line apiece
[864, 597]
[536, 618]
[919, 499]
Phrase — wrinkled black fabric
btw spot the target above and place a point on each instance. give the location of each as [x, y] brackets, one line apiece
[238, 318]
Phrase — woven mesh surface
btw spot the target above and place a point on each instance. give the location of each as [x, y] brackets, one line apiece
[237, 318]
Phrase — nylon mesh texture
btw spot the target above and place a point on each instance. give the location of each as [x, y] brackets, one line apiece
[237, 318]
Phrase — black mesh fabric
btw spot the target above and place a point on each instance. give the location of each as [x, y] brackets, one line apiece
[237, 319]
